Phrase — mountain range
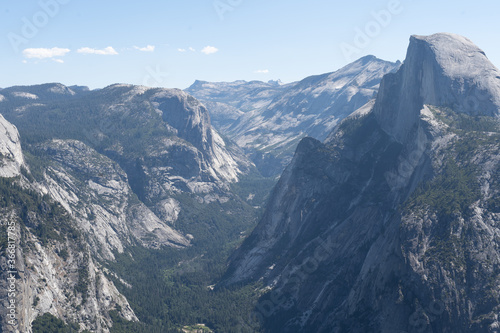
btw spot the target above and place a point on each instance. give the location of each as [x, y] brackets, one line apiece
[269, 119]
[137, 209]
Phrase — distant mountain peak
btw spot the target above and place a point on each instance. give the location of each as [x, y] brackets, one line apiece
[367, 58]
[58, 88]
[443, 69]
[77, 88]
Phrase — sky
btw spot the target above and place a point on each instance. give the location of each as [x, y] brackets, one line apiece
[166, 43]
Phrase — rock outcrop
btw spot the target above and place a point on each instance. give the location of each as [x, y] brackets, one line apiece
[95, 190]
[44, 250]
[11, 156]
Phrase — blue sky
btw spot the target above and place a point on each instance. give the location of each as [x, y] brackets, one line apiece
[172, 43]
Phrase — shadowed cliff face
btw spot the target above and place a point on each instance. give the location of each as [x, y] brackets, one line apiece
[392, 224]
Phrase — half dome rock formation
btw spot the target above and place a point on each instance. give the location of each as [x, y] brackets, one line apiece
[393, 223]
[445, 70]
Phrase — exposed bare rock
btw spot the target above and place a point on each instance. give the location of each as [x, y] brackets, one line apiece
[11, 156]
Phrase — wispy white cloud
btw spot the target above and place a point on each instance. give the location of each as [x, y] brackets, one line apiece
[149, 48]
[106, 51]
[43, 53]
[185, 50]
[262, 71]
[59, 61]
[209, 50]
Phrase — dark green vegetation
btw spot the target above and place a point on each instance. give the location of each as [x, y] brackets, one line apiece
[461, 122]
[47, 219]
[167, 294]
[254, 189]
[84, 118]
[172, 288]
[47, 323]
[456, 186]
[452, 192]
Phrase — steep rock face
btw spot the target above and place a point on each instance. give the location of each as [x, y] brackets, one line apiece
[58, 277]
[11, 156]
[392, 224]
[95, 191]
[185, 114]
[270, 129]
[52, 263]
[192, 159]
[442, 70]
[188, 154]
